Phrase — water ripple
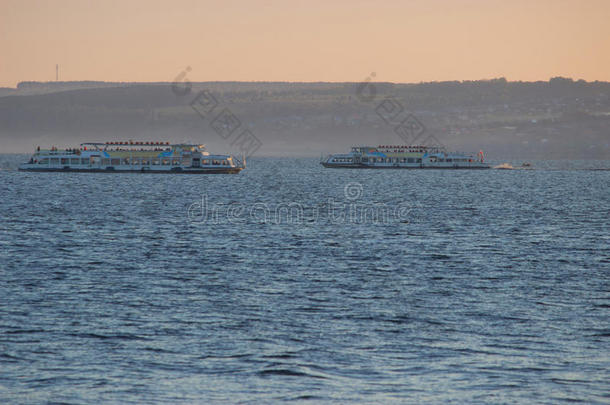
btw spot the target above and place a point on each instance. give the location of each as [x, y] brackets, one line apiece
[495, 289]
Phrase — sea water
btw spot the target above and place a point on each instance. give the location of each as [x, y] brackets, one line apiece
[289, 281]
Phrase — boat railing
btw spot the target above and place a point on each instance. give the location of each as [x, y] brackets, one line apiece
[55, 152]
[241, 163]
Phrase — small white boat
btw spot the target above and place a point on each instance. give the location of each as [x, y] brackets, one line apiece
[508, 166]
[504, 166]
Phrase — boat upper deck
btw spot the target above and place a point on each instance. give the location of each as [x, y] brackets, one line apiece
[398, 149]
[127, 149]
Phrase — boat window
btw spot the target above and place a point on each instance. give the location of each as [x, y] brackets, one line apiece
[126, 161]
[74, 161]
[205, 162]
[84, 161]
[215, 162]
[165, 162]
[135, 161]
[448, 160]
[44, 161]
[224, 163]
[115, 162]
[105, 162]
[186, 161]
[410, 160]
[155, 161]
[65, 161]
[176, 162]
[418, 160]
[145, 161]
[54, 161]
[388, 160]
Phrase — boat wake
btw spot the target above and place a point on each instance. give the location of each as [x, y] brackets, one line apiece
[508, 166]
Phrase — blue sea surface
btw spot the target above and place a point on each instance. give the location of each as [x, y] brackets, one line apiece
[291, 282]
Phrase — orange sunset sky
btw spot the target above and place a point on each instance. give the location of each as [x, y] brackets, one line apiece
[315, 40]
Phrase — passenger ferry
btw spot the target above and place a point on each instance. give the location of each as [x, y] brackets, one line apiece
[130, 156]
[403, 157]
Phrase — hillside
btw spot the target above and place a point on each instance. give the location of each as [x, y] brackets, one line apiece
[555, 119]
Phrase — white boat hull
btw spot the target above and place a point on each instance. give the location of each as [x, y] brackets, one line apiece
[132, 169]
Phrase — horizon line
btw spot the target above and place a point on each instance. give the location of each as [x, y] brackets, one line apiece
[497, 79]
